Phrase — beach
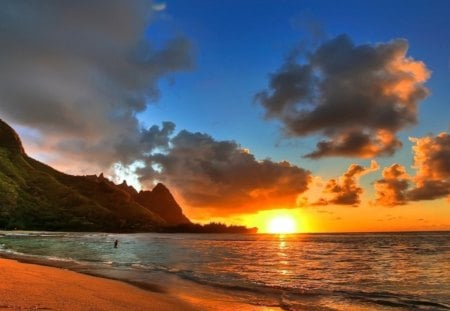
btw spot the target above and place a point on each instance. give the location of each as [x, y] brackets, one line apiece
[33, 287]
[226, 272]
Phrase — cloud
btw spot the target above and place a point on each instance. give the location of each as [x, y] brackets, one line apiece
[432, 178]
[345, 189]
[159, 6]
[80, 71]
[223, 176]
[432, 162]
[356, 96]
[391, 189]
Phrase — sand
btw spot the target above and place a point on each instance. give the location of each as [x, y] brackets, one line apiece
[32, 287]
[25, 286]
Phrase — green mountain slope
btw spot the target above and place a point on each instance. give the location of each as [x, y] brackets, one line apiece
[34, 196]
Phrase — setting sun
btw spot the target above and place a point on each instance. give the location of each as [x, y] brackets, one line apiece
[282, 224]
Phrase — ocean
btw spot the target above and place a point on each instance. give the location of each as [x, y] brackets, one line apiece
[370, 271]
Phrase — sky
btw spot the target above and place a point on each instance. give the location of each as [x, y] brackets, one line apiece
[335, 115]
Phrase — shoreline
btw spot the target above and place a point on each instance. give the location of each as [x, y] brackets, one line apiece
[35, 284]
[69, 266]
[144, 262]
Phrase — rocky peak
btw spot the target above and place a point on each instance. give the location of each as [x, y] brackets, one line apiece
[127, 188]
[9, 138]
[161, 201]
[161, 189]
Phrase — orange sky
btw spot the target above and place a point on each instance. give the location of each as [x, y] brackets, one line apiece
[414, 217]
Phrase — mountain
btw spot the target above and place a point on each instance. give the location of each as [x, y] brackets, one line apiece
[161, 202]
[34, 196]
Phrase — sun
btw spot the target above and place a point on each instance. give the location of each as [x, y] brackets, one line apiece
[282, 224]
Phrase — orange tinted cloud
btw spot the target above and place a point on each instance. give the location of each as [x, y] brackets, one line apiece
[391, 189]
[345, 189]
[432, 178]
[410, 72]
[356, 96]
[432, 161]
[380, 142]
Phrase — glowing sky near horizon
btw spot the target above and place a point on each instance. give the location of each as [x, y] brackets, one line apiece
[337, 116]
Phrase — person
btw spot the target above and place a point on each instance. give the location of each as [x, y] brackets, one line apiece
[116, 243]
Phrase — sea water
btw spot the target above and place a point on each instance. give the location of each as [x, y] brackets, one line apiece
[371, 271]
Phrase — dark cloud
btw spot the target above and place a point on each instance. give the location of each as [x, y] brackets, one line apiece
[430, 190]
[158, 138]
[223, 176]
[357, 96]
[80, 71]
[391, 189]
[345, 189]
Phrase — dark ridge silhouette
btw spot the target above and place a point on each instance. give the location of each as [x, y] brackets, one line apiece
[161, 202]
[212, 227]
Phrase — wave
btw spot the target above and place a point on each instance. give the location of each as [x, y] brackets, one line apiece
[389, 299]
[289, 297]
[34, 234]
[13, 254]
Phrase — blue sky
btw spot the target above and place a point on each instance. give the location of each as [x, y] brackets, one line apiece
[238, 43]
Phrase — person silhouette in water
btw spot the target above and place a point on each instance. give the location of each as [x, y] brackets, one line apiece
[116, 243]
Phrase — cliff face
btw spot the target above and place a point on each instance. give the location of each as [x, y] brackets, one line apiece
[35, 196]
